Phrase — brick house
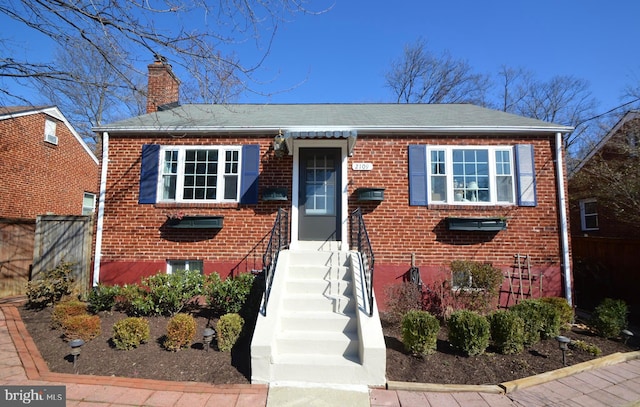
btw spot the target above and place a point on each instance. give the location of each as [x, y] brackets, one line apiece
[46, 168]
[603, 214]
[200, 187]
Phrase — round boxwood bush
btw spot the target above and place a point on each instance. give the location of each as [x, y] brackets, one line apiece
[420, 332]
[84, 326]
[66, 309]
[609, 318]
[469, 332]
[562, 306]
[229, 328]
[507, 332]
[181, 330]
[542, 320]
[130, 332]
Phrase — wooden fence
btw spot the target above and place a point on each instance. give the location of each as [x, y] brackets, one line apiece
[16, 255]
[606, 267]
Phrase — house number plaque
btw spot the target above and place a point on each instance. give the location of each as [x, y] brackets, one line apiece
[362, 166]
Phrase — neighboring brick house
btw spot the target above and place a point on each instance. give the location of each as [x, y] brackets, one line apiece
[434, 162]
[604, 215]
[46, 168]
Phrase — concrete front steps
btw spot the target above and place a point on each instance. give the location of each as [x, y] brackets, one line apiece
[317, 328]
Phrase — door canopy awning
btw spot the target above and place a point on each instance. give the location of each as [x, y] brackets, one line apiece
[350, 135]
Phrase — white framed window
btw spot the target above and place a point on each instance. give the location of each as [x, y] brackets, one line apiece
[50, 132]
[88, 203]
[471, 175]
[199, 173]
[184, 265]
[589, 214]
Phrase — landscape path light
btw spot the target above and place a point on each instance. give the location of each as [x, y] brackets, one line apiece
[626, 334]
[563, 342]
[75, 345]
[207, 337]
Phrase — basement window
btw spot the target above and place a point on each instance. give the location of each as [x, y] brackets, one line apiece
[175, 266]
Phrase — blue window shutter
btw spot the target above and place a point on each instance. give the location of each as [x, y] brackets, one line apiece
[526, 175]
[149, 173]
[249, 175]
[418, 175]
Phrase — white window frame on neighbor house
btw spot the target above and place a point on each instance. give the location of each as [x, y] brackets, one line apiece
[88, 203]
[475, 182]
[50, 132]
[186, 265]
[587, 212]
[173, 178]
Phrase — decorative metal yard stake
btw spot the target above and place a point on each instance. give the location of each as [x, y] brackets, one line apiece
[75, 345]
[208, 337]
[563, 342]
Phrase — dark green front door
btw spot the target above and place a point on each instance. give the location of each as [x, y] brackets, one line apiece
[319, 200]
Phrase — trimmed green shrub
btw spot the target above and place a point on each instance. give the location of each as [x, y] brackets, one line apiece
[168, 294]
[66, 309]
[229, 295]
[228, 329]
[402, 298]
[420, 332]
[609, 318]
[85, 327]
[133, 301]
[181, 330]
[542, 320]
[130, 332]
[469, 332]
[507, 332]
[102, 298]
[564, 309]
[583, 346]
[51, 287]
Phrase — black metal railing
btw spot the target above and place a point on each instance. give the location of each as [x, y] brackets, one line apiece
[360, 241]
[278, 240]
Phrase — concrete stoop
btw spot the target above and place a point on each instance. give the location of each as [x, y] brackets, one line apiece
[317, 328]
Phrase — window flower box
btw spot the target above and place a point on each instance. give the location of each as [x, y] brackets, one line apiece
[477, 224]
[196, 222]
[370, 194]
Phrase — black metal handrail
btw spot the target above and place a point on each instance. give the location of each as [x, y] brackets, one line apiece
[279, 240]
[360, 240]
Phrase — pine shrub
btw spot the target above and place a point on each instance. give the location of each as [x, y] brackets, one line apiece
[420, 332]
[181, 330]
[84, 326]
[469, 332]
[103, 298]
[66, 309]
[507, 332]
[130, 332]
[609, 318]
[51, 287]
[229, 328]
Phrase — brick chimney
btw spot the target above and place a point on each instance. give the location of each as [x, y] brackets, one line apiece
[163, 86]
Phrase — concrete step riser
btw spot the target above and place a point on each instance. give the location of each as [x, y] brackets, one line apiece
[333, 287]
[319, 272]
[339, 305]
[311, 324]
[322, 374]
[317, 347]
[318, 258]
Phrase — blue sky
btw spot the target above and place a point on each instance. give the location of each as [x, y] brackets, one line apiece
[342, 55]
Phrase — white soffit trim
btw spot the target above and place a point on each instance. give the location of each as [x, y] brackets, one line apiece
[350, 135]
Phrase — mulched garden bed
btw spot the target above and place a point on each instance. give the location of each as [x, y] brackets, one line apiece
[152, 361]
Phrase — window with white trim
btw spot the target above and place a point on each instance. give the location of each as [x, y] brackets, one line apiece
[589, 214]
[199, 173]
[470, 175]
[88, 203]
[174, 266]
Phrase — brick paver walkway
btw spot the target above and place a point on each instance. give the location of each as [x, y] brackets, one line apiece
[617, 385]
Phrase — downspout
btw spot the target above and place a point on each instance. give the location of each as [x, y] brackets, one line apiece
[100, 222]
[564, 229]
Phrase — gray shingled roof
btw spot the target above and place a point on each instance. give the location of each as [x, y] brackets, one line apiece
[360, 117]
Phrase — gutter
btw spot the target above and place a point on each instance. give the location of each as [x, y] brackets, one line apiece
[564, 229]
[101, 198]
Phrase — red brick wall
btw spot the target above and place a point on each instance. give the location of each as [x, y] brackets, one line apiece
[38, 177]
[134, 233]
